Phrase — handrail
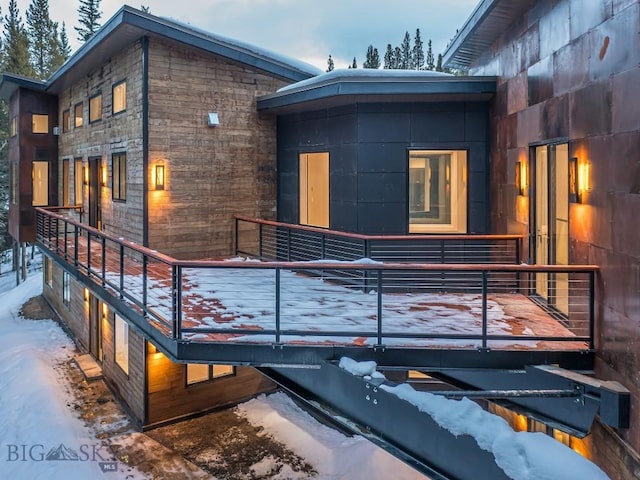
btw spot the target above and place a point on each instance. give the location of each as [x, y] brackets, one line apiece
[362, 236]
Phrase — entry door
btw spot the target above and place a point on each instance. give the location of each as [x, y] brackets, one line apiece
[95, 328]
[552, 221]
[314, 189]
[95, 216]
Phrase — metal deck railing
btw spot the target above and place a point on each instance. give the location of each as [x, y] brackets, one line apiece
[293, 303]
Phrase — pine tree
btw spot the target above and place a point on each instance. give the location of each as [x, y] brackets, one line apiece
[439, 64]
[397, 58]
[373, 58]
[43, 38]
[15, 45]
[388, 57]
[417, 54]
[89, 15]
[56, 55]
[65, 48]
[330, 65]
[405, 58]
[354, 64]
[430, 60]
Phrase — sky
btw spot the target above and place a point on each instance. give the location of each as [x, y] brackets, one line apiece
[307, 30]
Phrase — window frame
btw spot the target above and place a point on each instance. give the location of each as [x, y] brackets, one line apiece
[211, 373]
[76, 123]
[66, 182]
[33, 123]
[13, 126]
[78, 181]
[121, 344]
[45, 184]
[456, 185]
[118, 187]
[66, 120]
[97, 118]
[121, 83]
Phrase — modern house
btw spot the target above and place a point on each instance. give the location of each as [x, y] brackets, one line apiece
[159, 150]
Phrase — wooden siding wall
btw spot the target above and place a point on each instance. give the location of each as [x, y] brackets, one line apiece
[212, 173]
[571, 69]
[75, 316]
[117, 133]
[171, 398]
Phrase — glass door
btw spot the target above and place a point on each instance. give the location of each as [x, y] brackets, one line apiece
[314, 189]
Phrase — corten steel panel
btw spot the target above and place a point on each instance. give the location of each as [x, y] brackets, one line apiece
[540, 78]
[625, 114]
[571, 65]
[588, 117]
[554, 117]
[586, 15]
[554, 29]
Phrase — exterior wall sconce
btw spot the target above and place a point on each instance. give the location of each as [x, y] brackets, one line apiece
[579, 179]
[86, 295]
[105, 311]
[521, 178]
[103, 176]
[85, 170]
[159, 176]
[212, 119]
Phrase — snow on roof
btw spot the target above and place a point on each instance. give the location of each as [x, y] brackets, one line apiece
[367, 75]
[522, 455]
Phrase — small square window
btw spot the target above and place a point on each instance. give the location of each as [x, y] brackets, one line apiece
[66, 289]
[121, 340]
[66, 121]
[95, 108]
[199, 372]
[39, 123]
[78, 112]
[119, 172]
[120, 97]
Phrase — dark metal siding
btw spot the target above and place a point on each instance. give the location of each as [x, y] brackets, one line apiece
[368, 145]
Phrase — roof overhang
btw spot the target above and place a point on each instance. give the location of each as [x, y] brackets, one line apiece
[129, 24]
[339, 88]
[11, 82]
[489, 20]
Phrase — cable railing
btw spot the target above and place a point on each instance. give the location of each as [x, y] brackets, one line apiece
[277, 241]
[439, 305]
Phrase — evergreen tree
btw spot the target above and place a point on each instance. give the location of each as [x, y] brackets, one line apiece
[373, 58]
[430, 60]
[330, 65]
[354, 64]
[397, 58]
[65, 48]
[56, 54]
[388, 57]
[417, 54]
[89, 15]
[43, 38]
[15, 45]
[439, 64]
[405, 55]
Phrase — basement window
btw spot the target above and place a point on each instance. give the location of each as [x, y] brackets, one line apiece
[66, 289]
[121, 340]
[200, 372]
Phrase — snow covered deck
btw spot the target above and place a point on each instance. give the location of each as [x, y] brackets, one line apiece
[215, 307]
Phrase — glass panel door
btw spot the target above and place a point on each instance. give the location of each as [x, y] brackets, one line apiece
[542, 217]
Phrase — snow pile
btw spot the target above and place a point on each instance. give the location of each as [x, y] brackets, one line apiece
[522, 455]
[332, 454]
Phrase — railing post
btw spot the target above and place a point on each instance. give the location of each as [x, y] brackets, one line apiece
[260, 241]
[103, 275]
[592, 310]
[88, 253]
[57, 236]
[379, 308]
[323, 247]
[236, 234]
[65, 240]
[121, 259]
[484, 310]
[278, 305]
[75, 246]
[288, 244]
[518, 249]
[145, 261]
[176, 304]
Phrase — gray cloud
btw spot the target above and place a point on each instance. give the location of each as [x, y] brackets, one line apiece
[305, 29]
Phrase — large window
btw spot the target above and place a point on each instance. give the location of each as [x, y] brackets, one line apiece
[199, 372]
[95, 108]
[66, 121]
[78, 115]
[66, 289]
[77, 181]
[119, 172]
[40, 175]
[120, 96]
[314, 189]
[121, 340]
[66, 185]
[438, 191]
[39, 123]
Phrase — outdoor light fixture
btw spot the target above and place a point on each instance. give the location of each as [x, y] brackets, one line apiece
[159, 177]
[521, 178]
[86, 174]
[579, 179]
[103, 175]
[86, 295]
[212, 119]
